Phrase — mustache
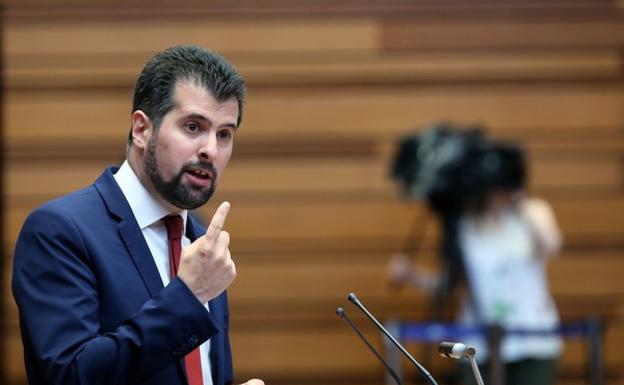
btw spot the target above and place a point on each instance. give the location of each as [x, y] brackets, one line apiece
[206, 167]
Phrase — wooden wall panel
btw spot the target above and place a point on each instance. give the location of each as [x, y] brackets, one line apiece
[545, 111]
[503, 34]
[146, 36]
[301, 222]
[331, 177]
[332, 86]
[330, 67]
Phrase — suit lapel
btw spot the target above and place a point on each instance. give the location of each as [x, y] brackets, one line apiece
[141, 255]
[129, 231]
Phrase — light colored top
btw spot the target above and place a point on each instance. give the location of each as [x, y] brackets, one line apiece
[508, 280]
[149, 214]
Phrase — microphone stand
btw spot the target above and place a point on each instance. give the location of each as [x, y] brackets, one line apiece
[342, 314]
[475, 370]
[353, 299]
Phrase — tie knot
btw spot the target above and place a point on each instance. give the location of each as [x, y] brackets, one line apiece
[174, 224]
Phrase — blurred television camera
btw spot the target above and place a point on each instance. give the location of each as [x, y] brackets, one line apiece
[454, 167]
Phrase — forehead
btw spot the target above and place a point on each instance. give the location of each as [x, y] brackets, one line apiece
[188, 91]
[190, 97]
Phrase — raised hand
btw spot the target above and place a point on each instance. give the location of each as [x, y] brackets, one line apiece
[206, 265]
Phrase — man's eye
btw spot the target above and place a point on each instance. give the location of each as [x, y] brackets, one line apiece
[224, 134]
[193, 127]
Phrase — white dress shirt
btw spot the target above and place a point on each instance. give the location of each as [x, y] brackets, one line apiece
[149, 214]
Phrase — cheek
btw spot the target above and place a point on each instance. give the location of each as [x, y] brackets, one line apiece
[221, 162]
[170, 159]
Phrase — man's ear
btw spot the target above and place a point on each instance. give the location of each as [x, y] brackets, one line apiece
[142, 129]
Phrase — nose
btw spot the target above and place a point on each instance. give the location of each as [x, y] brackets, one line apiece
[208, 147]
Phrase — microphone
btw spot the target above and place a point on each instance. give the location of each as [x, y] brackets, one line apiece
[456, 350]
[354, 300]
[342, 314]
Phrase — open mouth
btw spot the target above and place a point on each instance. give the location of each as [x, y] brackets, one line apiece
[199, 177]
[200, 174]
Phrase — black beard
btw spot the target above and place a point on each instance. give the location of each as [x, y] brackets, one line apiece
[173, 191]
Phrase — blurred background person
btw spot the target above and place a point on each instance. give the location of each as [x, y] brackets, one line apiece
[496, 241]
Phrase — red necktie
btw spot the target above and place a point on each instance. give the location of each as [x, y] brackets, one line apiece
[174, 225]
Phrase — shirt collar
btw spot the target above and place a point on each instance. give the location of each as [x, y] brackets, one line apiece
[145, 208]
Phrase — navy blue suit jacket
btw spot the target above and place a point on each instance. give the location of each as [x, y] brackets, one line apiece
[93, 309]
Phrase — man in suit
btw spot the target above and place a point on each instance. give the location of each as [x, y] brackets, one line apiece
[116, 284]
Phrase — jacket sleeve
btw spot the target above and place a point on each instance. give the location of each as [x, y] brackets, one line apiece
[56, 290]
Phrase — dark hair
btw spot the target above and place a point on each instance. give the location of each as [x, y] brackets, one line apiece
[154, 87]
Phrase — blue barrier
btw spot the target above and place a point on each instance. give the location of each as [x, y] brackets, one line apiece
[589, 329]
[435, 332]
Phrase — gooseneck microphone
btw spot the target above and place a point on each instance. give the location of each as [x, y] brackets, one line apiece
[458, 350]
[342, 314]
[354, 299]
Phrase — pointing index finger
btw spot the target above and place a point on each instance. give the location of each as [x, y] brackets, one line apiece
[217, 222]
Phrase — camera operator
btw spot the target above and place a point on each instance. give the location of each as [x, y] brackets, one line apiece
[494, 237]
